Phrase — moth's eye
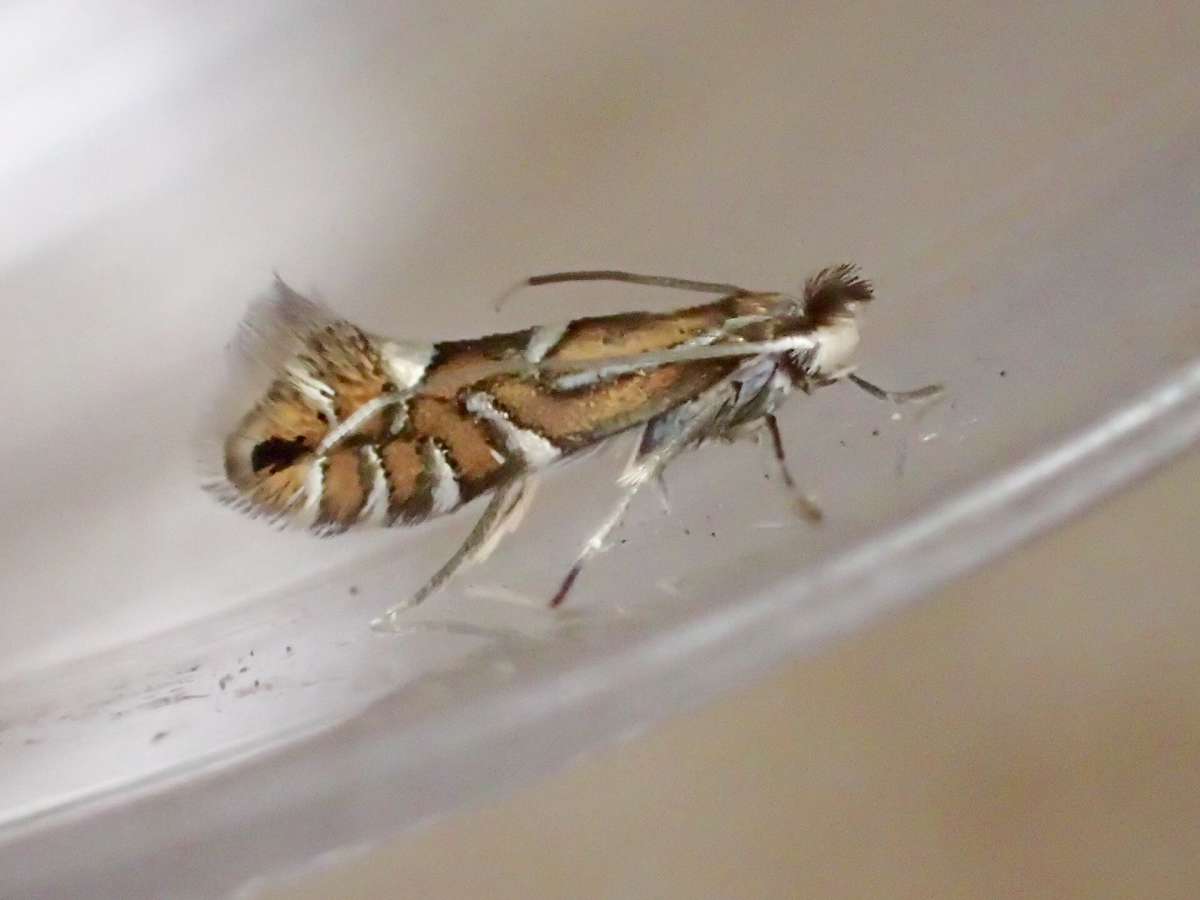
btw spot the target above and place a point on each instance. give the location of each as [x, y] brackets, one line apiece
[276, 454]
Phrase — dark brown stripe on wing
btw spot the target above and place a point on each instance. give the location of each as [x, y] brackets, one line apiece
[469, 444]
[636, 332]
[573, 419]
[344, 491]
[457, 364]
[404, 468]
[460, 364]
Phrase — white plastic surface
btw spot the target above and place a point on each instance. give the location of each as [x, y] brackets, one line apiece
[191, 700]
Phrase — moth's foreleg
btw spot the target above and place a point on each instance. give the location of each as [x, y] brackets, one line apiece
[504, 505]
[921, 393]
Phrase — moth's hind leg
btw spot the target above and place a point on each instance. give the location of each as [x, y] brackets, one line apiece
[632, 480]
[663, 438]
[506, 506]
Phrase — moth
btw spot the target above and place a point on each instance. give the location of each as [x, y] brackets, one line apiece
[356, 429]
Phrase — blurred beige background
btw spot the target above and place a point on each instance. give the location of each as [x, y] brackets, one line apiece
[1031, 731]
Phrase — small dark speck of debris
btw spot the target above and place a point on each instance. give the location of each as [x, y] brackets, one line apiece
[194, 668]
[713, 533]
[159, 736]
[251, 652]
[288, 649]
[225, 679]
[624, 540]
[687, 531]
[243, 670]
[354, 590]
[843, 443]
[874, 432]
[256, 682]
[1003, 372]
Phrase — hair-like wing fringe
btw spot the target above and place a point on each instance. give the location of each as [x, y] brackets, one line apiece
[275, 327]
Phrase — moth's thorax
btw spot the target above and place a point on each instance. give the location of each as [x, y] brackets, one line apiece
[835, 343]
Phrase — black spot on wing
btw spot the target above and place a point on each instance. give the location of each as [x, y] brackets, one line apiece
[276, 453]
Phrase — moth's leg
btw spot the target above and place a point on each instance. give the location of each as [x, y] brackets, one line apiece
[931, 392]
[506, 501]
[663, 438]
[664, 497]
[636, 474]
[780, 452]
[757, 411]
[804, 503]
[510, 519]
[900, 397]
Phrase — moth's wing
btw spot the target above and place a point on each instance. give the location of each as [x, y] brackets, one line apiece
[272, 331]
[276, 326]
[290, 366]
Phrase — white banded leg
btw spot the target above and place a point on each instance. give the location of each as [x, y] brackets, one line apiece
[632, 480]
[493, 523]
[661, 441]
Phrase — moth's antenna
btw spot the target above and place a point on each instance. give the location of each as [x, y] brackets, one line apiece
[663, 281]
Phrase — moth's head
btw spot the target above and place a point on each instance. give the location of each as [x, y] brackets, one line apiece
[834, 294]
[831, 302]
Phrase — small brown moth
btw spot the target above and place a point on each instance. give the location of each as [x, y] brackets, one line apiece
[357, 429]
